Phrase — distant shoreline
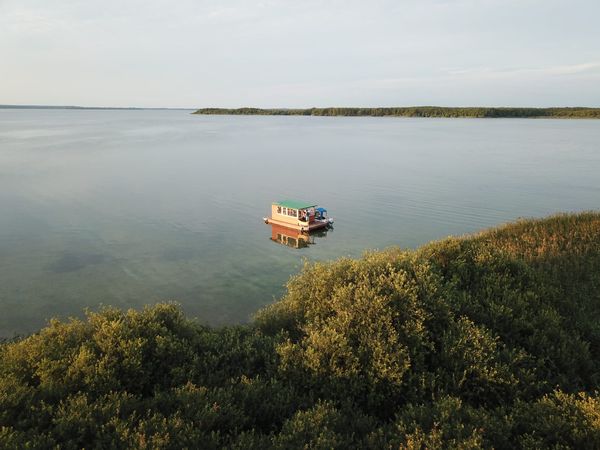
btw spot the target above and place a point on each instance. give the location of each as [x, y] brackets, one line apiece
[410, 111]
[416, 111]
[88, 107]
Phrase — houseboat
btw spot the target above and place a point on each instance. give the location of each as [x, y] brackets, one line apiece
[302, 216]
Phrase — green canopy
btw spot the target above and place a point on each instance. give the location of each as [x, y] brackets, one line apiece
[294, 204]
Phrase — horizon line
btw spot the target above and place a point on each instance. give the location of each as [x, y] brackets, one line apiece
[34, 106]
[41, 106]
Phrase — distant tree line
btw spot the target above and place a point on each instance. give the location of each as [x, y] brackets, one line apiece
[490, 341]
[418, 111]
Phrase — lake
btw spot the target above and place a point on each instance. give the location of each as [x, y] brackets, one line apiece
[126, 208]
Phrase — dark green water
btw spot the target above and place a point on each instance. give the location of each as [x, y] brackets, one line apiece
[132, 207]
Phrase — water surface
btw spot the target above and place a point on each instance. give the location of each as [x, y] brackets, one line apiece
[127, 208]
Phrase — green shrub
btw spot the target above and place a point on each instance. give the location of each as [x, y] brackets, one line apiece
[491, 340]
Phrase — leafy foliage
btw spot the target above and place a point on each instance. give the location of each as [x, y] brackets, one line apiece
[491, 340]
[417, 111]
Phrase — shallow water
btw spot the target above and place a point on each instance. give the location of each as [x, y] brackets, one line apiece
[127, 208]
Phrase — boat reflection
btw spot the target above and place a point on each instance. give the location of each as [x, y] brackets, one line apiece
[294, 238]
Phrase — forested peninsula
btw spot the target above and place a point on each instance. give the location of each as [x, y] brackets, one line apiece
[417, 111]
[490, 340]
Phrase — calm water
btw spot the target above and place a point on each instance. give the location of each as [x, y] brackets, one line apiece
[132, 207]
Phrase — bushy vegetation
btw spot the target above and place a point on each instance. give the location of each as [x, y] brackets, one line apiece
[418, 111]
[491, 340]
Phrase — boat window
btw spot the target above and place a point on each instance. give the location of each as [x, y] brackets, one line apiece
[279, 210]
[284, 211]
[292, 212]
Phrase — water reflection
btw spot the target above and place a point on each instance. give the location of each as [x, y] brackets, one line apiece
[295, 238]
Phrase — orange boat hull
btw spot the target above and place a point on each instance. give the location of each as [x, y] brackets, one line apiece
[316, 225]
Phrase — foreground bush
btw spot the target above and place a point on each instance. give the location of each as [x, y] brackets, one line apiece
[487, 341]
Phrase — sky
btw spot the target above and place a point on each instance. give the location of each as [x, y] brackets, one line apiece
[300, 53]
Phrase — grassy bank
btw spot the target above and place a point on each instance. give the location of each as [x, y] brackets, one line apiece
[418, 111]
[491, 340]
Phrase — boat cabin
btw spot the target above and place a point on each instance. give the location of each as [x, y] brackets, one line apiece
[299, 215]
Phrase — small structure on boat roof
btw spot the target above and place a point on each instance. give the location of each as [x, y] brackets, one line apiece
[298, 215]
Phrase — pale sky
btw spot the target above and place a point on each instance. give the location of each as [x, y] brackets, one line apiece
[300, 53]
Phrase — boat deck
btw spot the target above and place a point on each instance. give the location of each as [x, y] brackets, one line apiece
[301, 226]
